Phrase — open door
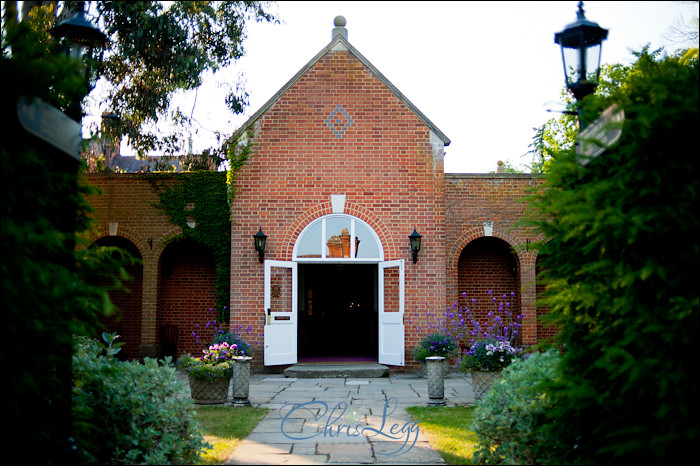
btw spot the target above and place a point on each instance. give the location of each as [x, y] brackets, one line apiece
[280, 313]
[391, 309]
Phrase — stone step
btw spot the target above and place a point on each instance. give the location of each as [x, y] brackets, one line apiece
[336, 370]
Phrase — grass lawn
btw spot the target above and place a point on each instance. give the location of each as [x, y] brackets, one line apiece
[446, 428]
[225, 427]
[448, 432]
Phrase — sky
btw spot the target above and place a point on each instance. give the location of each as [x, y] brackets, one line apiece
[484, 73]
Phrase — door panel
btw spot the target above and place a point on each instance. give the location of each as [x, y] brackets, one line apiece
[391, 310]
[280, 313]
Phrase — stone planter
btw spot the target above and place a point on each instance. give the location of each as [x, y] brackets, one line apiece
[436, 380]
[205, 392]
[444, 367]
[241, 380]
[482, 381]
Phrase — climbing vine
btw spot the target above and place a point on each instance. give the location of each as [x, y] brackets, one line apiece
[239, 150]
[201, 197]
[205, 198]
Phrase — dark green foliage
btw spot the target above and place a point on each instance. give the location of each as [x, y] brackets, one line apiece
[131, 413]
[622, 274]
[46, 294]
[507, 418]
[207, 190]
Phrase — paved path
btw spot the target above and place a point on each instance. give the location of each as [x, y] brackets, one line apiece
[343, 420]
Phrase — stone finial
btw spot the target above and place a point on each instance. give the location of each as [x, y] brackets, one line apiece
[339, 30]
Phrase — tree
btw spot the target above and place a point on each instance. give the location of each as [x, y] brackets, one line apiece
[622, 273]
[558, 135]
[157, 49]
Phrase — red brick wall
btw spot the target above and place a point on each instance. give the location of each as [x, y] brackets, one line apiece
[383, 163]
[187, 293]
[470, 201]
[126, 320]
[126, 200]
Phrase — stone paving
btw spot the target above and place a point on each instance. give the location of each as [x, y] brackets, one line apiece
[343, 420]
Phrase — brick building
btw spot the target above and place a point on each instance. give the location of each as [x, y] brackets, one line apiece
[343, 169]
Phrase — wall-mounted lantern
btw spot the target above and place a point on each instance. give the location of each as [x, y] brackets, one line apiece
[415, 244]
[260, 238]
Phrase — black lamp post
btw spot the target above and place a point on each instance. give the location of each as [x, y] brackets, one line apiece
[415, 238]
[581, 44]
[260, 239]
[79, 31]
[82, 37]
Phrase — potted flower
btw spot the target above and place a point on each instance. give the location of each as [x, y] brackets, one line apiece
[241, 368]
[436, 344]
[492, 348]
[210, 375]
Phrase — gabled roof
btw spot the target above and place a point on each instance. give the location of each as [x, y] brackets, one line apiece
[340, 43]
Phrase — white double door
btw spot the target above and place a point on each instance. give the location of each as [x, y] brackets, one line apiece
[281, 316]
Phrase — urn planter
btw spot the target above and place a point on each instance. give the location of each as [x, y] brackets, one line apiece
[209, 392]
[482, 381]
[444, 367]
[436, 380]
[241, 380]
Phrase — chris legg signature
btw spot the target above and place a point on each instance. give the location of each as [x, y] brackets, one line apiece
[334, 428]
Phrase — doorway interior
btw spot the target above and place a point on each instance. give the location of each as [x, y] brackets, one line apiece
[338, 313]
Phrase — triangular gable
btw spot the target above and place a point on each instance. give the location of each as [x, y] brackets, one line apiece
[340, 43]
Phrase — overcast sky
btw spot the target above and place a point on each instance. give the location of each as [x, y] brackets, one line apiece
[485, 73]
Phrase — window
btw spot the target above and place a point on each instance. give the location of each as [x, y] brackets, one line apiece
[329, 239]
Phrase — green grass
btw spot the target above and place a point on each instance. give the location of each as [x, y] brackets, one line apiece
[225, 428]
[447, 429]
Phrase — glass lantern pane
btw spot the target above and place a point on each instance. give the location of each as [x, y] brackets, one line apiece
[592, 62]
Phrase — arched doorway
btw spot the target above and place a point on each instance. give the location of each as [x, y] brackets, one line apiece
[328, 303]
[128, 300]
[488, 268]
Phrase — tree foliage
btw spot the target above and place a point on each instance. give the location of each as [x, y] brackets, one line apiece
[158, 48]
[622, 274]
[558, 135]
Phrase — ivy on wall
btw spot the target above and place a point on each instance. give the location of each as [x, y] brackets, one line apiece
[201, 197]
[205, 197]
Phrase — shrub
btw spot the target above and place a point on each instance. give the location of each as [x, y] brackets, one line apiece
[435, 344]
[507, 418]
[128, 412]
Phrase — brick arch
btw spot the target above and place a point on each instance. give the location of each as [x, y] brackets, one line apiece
[478, 232]
[134, 237]
[325, 208]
